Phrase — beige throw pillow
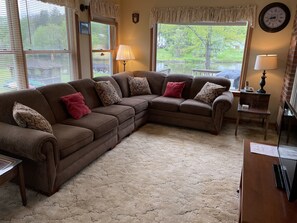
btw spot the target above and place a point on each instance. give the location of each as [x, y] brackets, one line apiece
[29, 118]
[209, 92]
[107, 93]
[139, 86]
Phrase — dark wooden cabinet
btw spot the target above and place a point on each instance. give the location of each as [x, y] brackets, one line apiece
[260, 200]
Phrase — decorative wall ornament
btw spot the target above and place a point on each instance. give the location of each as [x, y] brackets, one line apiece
[84, 28]
[83, 7]
[135, 17]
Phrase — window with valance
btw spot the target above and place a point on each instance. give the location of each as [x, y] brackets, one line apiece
[202, 40]
[104, 19]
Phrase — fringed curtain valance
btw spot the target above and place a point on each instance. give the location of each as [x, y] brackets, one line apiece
[178, 15]
[67, 3]
[99, 8]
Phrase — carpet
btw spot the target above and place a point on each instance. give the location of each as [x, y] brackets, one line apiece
[157, 174]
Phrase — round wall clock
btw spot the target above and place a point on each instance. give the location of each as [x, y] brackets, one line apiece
[274, 17]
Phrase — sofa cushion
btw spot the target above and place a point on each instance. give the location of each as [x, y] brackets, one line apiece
[139, 105]
[209, 92]
[155, 80]
[31, 98]
[166, 104]
[199, 82]
[121, 112]
[139, 86]
[75, 104]
[100, 124]
[112, 81]
[122, 80]
[29, 118]
[107, 93]
[180, 78]
[53, 94]
[174, 89]
[87, 88]
[71, 138]
[195, 107]
[148, 97]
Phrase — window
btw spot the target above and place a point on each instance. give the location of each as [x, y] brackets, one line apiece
[204, 49]
[35, 46]
[103, 44]
[12, 74]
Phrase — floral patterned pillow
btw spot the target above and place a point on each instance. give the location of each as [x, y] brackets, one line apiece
[29, 118]
[209, 92]
[107, 93]
[139, 86]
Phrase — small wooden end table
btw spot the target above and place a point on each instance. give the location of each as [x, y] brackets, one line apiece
[11, 168]
[257, 106]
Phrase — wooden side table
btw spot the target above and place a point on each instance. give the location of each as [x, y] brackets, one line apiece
[257, 106]
[11, 168]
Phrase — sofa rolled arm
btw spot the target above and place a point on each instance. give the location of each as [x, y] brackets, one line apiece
[25, 142]
[220, 105]
[225, 99]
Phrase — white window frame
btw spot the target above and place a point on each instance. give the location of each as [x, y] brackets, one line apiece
[112, 42]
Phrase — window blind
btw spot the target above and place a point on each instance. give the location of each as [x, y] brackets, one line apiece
[45, 42]
[36, 45]
[12, 70]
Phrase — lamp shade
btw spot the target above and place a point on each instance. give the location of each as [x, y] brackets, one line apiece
[266, 62]
[125, 53]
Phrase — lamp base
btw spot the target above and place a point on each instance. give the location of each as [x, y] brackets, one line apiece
[124, 63]
[262, 84]
[261, 91]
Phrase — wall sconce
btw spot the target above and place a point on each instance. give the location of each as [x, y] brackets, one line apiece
[135, 17]
[83, 7]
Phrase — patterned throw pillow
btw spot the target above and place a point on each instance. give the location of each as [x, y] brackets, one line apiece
[107, 93]
[29, 118]
[75, 104]
[209, 92]
[139, 86]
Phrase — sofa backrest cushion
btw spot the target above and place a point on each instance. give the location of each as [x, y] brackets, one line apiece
[122, 80]
[53, 94]
[112, 81]
[31, 98]
[87, 88]
[198, 83]
[155, 79]
[76, 105]
[180, 78]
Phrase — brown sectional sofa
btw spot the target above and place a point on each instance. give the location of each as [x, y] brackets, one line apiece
[51, 159]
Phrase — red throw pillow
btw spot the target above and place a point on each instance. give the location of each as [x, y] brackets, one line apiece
[75, 104]
[174, 89]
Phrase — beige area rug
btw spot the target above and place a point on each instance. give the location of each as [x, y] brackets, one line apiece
[158, 174]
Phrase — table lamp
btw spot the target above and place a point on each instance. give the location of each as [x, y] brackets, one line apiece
[125, 53]
[265, 62]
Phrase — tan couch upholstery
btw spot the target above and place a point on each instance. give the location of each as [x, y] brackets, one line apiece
[51, 159]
